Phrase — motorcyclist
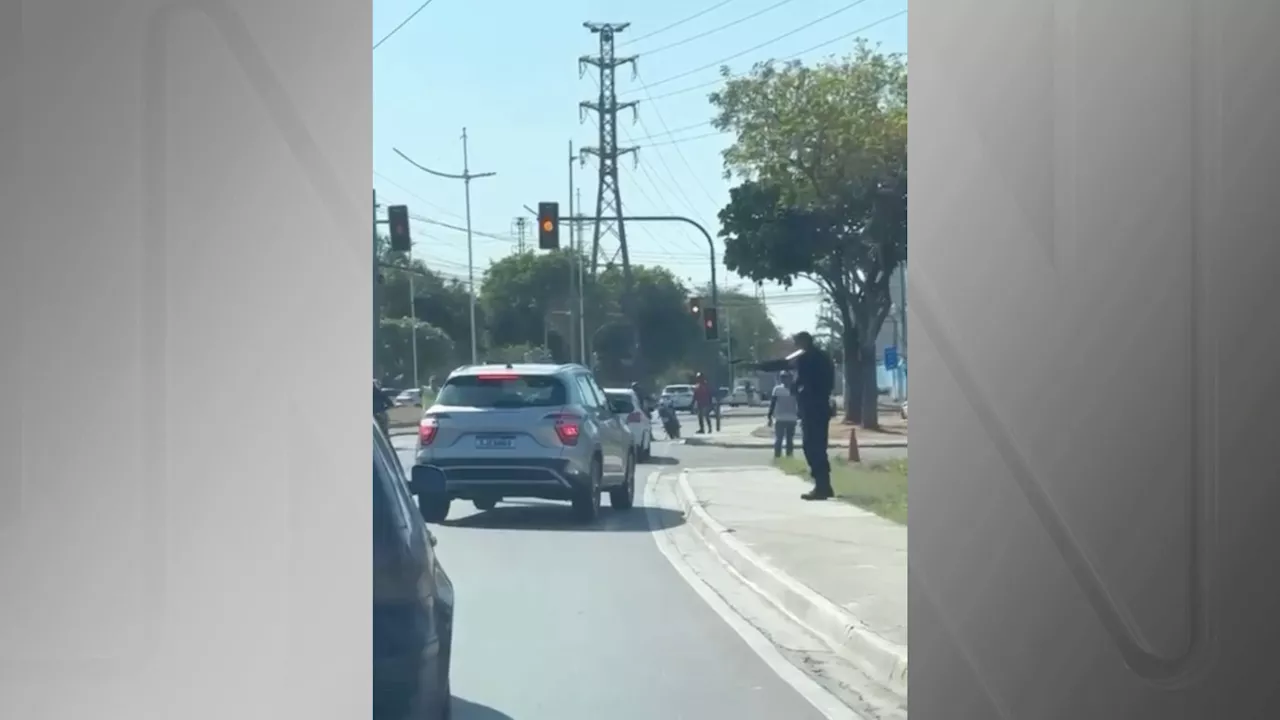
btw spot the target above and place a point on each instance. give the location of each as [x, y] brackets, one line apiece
[643, 397]
[667, 414]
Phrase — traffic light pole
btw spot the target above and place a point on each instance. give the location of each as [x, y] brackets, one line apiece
[711, 245]
[377, 291]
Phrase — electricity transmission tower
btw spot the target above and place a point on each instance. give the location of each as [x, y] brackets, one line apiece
[520, 224]
[608, 217]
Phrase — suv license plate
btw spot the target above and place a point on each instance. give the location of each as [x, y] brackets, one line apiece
[495, 443]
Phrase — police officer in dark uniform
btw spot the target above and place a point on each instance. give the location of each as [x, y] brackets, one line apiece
[815, 377]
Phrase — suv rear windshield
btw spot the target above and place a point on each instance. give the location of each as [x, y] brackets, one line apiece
[621, 401]
[502, 391]
[673, 389]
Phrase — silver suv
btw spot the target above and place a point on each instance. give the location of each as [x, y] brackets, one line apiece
[523, 431]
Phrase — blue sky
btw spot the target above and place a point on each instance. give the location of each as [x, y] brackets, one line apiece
[508, 72]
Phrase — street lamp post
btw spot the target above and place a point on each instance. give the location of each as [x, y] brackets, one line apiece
[466, 177]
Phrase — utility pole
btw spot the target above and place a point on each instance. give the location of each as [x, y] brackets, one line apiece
[413, 331]
[901, 328]
[608, 216]
[575, 349]
[466, 177]
[582, 312]
[377, 285]
[728, 344]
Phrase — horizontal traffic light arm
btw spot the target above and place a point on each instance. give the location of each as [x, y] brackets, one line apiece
[711, 244]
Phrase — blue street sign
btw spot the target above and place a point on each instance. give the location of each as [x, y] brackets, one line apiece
[890, 357]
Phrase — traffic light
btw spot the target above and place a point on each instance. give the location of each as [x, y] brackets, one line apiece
[695, 307]
[710, 323]
[549, 225]
[398, 219]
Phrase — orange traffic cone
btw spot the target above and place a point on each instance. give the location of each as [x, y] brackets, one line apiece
[854, 455]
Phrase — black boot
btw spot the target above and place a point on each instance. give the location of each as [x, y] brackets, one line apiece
[820, 491]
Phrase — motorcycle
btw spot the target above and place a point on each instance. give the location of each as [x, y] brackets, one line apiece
[670, 423]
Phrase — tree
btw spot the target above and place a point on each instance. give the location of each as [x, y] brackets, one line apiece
[662, 321]
[822, 155]
[527, 300]
[393, 362]
[409, 287]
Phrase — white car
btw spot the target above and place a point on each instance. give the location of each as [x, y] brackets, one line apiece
[412, 396]
[739, 396]
[623, 401]
[680, 396]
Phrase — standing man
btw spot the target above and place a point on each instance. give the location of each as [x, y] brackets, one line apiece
[784, 413]
[815, 379]
[702, 400]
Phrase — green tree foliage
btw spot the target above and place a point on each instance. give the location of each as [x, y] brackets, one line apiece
[394, 359]
[444, 325]
[666, 330]
[527, 301]
[821, 153]
[524, 314]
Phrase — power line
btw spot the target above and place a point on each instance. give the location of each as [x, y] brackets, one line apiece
[679, 152]
[681, 141]
[784, 58]
[715, 30]
[404, 22]
[678, 23]
[754, 48]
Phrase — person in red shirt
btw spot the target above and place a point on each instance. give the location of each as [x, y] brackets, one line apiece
[702, 403]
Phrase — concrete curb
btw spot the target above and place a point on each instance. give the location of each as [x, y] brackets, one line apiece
[881, 660]
[760, 443]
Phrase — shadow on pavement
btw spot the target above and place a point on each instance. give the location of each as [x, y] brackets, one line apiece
[559, 516]
[658, 460]
[467, 710]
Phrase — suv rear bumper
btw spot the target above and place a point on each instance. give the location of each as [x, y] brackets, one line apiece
[549, 479]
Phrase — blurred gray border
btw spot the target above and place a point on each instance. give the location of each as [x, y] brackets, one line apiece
[185, 269]
[1095, 367]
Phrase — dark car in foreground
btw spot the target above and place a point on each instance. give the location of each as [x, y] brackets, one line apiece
[412, 602]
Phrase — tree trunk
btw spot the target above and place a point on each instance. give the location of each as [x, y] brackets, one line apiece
[852, 379]
[870, 411]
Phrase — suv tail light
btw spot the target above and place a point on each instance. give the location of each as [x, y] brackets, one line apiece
[635, 417]
[427, 429]
[568, 427]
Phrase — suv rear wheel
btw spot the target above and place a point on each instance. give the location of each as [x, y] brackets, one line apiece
[586, 504]
[623, 497]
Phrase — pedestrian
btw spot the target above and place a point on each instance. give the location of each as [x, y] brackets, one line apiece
[702, 400]
[814, 381]
[783, 415]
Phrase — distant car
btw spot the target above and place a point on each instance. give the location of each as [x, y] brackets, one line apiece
[739, 396]
[412, 396]
[680, 396]
[523, 431]
[625, 402]
[413, 602]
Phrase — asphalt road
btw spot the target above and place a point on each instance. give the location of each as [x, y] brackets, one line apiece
[559, 622]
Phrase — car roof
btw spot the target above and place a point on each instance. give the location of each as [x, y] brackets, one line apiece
[520, 368]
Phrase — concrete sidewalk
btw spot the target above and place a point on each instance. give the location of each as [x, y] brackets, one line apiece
[739, 436]
[840, 570]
